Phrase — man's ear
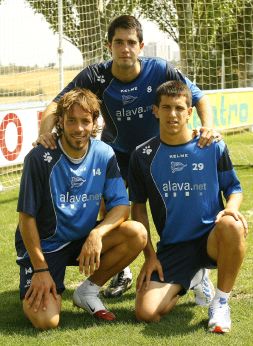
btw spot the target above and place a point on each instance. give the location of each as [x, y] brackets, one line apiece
[109, 46]
[189, 113]
[141, 45]
[155, 111]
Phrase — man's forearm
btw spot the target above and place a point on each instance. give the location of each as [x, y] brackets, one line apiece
[204, 111]
[139, 213]
[30, 236]
[48, 118]
[113, 219]
[234, 201]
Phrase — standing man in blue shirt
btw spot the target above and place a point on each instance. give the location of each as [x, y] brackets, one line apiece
[126, 86]
[185, 185]
[59, 200]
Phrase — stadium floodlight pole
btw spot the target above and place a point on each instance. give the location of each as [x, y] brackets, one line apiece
[60, 48]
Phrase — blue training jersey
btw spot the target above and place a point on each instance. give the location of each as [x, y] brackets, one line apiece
[127, 107]
[184, 185]
[64, 197]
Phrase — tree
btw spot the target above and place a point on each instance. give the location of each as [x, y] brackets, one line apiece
[215, 38]
[84, 22]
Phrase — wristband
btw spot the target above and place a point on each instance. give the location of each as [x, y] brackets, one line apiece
[40, 270]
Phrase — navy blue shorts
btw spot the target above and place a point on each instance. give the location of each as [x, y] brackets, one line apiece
[123, 162]
[57, 262]
[181, 261]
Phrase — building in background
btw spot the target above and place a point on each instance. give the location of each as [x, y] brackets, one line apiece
[165, 48]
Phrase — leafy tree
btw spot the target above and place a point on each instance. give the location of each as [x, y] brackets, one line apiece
[84, 22]
[214, 36]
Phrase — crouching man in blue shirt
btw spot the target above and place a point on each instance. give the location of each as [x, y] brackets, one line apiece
[59, 200]
[184, 185]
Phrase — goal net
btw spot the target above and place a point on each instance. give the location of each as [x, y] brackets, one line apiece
[44, 44]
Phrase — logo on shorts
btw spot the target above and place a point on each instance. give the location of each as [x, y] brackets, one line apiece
[28, 270]
[28, 283]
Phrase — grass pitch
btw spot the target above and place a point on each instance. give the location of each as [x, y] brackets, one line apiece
[185, 325]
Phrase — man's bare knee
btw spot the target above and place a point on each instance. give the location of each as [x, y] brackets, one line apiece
[44, 319]
[228, 229]
[135, 232]
[147, 315]
[157, 301]
[42, 323]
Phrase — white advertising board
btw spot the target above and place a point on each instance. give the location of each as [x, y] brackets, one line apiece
[18, 130]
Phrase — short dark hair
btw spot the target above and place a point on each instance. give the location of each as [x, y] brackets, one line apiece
[125, 22]
[173, 88]
[85, 99]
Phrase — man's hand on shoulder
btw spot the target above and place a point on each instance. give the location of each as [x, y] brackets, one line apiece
[207, 136]
[48, 140]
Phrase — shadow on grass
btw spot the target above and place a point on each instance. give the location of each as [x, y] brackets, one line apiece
[13, 321]
[128, 296]
[8, 200]
[177, 322]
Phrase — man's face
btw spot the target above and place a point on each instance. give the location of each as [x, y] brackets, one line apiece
[125, 48]
[173, 114]
[77, 127]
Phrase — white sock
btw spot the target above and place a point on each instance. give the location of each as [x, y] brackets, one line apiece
[89, 287]
[220, 294]
[198, 277]
[127, 273]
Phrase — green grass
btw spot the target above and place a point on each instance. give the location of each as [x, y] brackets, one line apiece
[185, 325]
[240, 147]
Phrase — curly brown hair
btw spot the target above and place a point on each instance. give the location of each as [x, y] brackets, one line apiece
[86, 100]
